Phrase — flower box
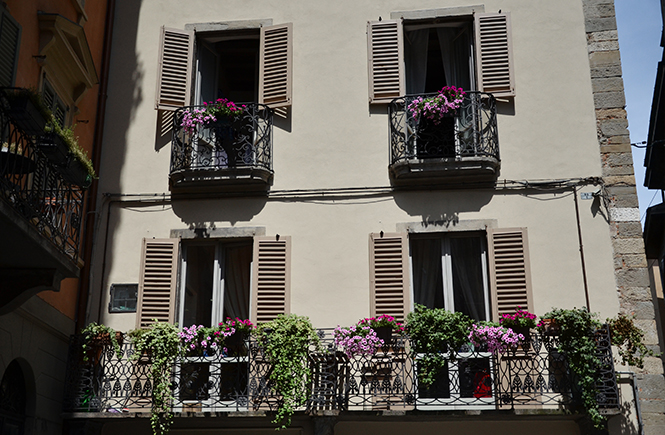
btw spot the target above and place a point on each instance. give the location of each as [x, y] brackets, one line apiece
[24, 112]
[54, 148]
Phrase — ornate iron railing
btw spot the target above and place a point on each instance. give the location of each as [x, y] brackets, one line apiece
[34, 187]
[534, 375]
[243, 141]
[470, 131]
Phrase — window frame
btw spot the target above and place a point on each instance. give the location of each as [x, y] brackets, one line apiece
[446, 267]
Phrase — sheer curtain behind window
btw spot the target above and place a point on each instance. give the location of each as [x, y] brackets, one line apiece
[236, 281]
[427, 273]
[468, 288]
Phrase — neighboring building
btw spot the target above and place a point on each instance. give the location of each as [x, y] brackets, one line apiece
[54, 48]
[525, 197]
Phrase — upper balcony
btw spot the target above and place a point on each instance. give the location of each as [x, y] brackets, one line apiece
[40, 208]
[462, 148]
[230, 154]
[535, 376]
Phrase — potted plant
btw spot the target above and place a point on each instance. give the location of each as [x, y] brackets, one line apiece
[221, 111]
[437, 107]
[285, 342]
[433, 332]
[200, 341]
[496, 339]
[60, 145]
[234, 331]
[95, 337]
[357, 340]
[27, 110]
[384, 325]
[521, 322]
[163, 344]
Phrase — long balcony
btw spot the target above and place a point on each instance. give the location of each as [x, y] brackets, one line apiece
[231, 154]
[40, 215]
[462, 148]
[534, 376]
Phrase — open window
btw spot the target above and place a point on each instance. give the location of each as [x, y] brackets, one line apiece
[244, 65]
[417, 56]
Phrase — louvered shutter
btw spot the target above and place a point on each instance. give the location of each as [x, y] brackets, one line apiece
[271, 278]
[389, 275]
[510, 273]
[275, 65]
[174, 78]
[385, 46]
[157, 281]
[10, 36]
[494, 54]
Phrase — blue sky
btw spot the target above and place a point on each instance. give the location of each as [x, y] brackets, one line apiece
[640, 25]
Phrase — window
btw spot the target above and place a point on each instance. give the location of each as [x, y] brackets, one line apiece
[484, 277]
[244, 65]
[10, 38]
[416, 54]
[54, 103]
[219, 278]
[450, 271]
[123, 298]
[215, 282]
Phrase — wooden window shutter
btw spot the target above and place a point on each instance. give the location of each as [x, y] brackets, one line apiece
[510, 272]
[174, 79]
[494, 54]
[275, 65]
[271, 278]
[385, 46]
[389, 274]
[157, 281]
[10, 37]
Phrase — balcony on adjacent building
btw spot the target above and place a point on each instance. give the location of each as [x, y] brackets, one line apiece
[230, 154]
[461, 148]
[534, 376]
[40, 213]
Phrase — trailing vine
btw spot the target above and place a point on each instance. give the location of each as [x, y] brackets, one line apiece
[162, 343]
[576, 331]
[630, 341]
[94, 335]
[286, 341]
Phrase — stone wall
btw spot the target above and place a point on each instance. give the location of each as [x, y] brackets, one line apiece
[630, 264]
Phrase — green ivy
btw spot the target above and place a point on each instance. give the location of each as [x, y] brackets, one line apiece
[432, 331]
[162, 343]
[286, 341]
[576, 331]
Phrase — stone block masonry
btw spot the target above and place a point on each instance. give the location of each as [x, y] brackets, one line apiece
[630, 265]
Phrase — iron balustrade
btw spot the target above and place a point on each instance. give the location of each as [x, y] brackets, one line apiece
[469, 131]
[33, 186]
[533, 375]
[241, 141]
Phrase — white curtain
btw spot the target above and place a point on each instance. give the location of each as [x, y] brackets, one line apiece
[237, 261]
[415, 57]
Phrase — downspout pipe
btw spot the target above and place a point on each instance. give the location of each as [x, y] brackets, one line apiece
[638, 410]
[91, 204]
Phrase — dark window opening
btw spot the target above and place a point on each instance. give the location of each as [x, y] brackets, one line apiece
[123, 298]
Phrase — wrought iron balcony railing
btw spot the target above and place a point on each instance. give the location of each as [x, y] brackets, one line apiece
[33, 186]
[464, 141]
[223, 151]
[535, 375]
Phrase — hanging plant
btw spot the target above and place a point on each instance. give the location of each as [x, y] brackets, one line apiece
[286, 341]
[576, 332]
[162, 343]
[95, 336]
[630, 341]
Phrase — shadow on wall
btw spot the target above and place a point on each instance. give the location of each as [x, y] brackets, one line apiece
[444, 206]
[201, 213]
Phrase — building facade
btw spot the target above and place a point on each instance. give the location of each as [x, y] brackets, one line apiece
[326, 197]
[54, 49]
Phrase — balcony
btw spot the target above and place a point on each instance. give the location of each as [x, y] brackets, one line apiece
[40, 216]
[462, 148]
[534, 376]
[227, 155]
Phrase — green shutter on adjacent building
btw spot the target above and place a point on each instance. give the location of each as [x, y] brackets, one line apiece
[10, 36]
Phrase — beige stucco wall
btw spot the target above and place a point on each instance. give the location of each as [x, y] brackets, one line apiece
[335, 139]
